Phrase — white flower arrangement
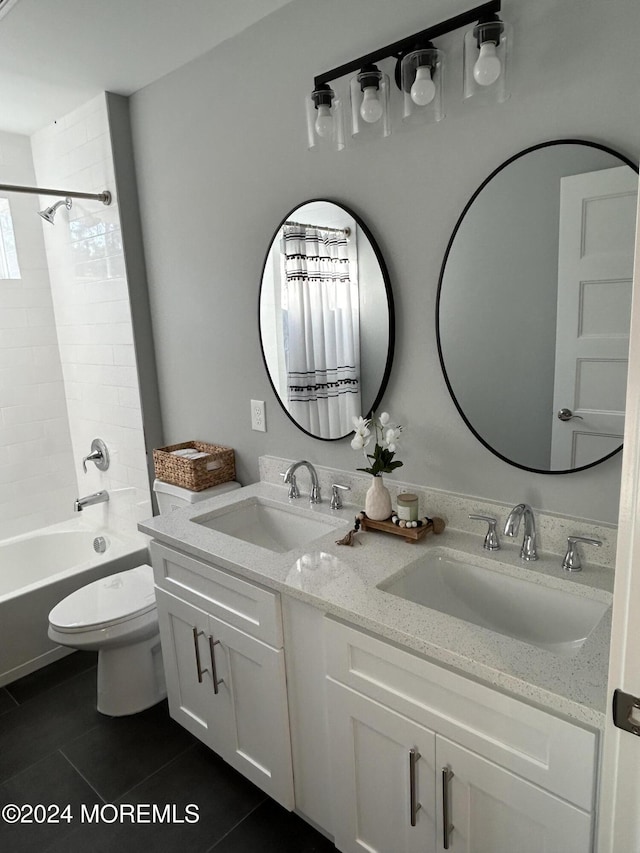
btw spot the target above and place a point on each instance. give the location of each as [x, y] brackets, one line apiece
[386, 443]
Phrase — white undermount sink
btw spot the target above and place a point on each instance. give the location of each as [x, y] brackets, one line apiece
[267, 524]
[549, 618]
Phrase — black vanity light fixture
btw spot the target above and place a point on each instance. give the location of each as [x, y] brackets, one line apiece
[418, 75]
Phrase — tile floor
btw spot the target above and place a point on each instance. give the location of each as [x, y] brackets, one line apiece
[56, 749]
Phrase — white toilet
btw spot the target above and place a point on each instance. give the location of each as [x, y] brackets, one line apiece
[117, 617]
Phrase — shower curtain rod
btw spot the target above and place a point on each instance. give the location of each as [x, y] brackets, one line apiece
[104, 197]
[345, 231]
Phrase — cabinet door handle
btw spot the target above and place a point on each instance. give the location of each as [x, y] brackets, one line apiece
[447, 826]
[199, 668]
[214, 672]
[414, 805]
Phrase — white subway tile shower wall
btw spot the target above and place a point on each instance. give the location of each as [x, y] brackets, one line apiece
[37, 479]
[93, 318]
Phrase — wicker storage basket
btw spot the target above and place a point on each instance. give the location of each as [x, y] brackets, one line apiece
[218, 466]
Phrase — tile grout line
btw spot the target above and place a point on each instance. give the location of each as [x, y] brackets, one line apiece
[12, 698]
[236, 825]
[82, 734]
[133, 787]
[36, 762]
[81, 775]
[155, 772]
[48, 689]
[21, 706]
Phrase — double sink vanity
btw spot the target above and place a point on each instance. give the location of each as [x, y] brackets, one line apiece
[400, 696]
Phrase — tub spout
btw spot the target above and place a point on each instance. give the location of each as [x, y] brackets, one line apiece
[96, 498]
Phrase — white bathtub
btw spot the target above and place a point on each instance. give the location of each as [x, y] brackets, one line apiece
[39, 569]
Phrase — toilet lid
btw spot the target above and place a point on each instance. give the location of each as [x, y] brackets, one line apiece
[108, 601]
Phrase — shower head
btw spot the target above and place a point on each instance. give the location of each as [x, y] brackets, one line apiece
[50, 212]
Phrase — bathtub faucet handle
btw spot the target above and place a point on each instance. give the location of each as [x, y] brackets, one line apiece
[99, 455]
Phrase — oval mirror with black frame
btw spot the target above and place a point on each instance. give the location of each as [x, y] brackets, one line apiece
[326, 318]
[534, 305]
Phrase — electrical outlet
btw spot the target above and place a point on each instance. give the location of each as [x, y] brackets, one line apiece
[258, 417]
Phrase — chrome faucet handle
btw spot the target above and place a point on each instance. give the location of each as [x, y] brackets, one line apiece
[336, 497]
[571, 561]
[491, 541]
[99, 454]
[92, 457]
[293, 492]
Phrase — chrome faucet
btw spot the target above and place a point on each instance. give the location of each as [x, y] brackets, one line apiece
[290, 478]
[512, 524]
[99, 456]
[96, 498]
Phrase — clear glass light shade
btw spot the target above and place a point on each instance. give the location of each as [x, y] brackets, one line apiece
[421, 74]
[486, 54]
[325, 120]
[370, 104]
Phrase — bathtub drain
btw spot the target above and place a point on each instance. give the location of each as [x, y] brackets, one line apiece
[100, 544]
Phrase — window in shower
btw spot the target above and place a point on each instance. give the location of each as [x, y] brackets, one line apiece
[9, 267]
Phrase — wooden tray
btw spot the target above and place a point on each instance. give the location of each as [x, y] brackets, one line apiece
[410, 534]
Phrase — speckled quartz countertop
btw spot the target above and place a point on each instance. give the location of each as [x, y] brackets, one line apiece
[343, 582]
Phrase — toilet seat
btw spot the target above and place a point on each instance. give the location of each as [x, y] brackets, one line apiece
[109, 601]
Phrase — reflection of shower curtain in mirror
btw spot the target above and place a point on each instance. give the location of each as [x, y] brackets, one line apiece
[323, 386]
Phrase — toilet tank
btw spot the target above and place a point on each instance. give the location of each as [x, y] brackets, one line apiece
[175, 497]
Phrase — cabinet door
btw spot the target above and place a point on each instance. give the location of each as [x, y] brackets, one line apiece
[229, 690]
[252, 702]
[184, 630]
[381, 803]
[492, 811]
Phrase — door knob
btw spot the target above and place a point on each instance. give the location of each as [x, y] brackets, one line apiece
[567, 415]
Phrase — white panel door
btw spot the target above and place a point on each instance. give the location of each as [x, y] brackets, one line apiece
[372, 777]
[618, 813]
[595, 269]
[492, 811]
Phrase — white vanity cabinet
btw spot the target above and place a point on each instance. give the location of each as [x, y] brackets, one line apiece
[391, 753]
[224, 665]
[509, 777]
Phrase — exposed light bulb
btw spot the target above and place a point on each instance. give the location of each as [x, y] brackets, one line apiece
[324, 121]
[488, 66]
[370, 108]
[423, 90]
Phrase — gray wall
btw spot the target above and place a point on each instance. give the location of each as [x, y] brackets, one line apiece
[221, 157]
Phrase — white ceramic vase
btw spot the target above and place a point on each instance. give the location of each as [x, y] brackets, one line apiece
[377, 504]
